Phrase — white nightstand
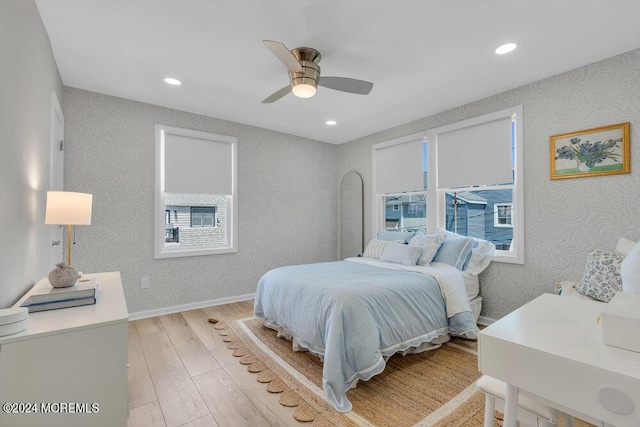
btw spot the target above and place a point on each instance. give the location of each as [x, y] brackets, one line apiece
[74, 355]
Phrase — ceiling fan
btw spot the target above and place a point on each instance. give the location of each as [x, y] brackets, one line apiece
[304, 74]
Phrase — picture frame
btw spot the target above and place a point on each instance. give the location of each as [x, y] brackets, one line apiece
[592, 152]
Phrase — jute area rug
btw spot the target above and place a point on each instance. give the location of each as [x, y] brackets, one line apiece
[433, 388]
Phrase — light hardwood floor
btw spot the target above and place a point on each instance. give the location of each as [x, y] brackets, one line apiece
[182, 374]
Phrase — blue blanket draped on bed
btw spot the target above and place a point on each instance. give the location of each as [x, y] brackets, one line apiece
[354, 314]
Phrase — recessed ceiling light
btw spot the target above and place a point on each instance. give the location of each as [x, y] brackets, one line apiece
[331, 122]
[506, 48]
[173, 82]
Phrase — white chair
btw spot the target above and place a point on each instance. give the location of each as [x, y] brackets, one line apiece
[530, 412]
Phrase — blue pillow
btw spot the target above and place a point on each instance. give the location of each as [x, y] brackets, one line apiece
[455, 251]
[401, 254]
[395, 235]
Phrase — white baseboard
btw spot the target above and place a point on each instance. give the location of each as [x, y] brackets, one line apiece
[186, 307]
[486, 321]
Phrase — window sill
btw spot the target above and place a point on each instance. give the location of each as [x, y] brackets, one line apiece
[508, 257]
[180, 253]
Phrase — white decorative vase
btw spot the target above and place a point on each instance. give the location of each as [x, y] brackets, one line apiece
[63, 276]
[582, 167]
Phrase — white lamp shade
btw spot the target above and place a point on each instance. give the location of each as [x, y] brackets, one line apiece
[68, 208]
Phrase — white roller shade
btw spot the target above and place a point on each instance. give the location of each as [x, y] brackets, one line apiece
[399, 168]
[196, 165]
[475, 155]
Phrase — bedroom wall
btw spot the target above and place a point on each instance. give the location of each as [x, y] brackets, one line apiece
[562, 217]
[287, 201]
[28, 75]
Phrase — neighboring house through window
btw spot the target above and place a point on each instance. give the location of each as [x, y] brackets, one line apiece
[198, 219]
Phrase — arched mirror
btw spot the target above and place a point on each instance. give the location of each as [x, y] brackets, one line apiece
[351, 215]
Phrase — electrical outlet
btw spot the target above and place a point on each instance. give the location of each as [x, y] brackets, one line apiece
[144, 282]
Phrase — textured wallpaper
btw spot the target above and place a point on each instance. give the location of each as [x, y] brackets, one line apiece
[288, 201]
[562, 217]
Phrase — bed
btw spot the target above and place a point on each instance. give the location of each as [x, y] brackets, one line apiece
[356, 313]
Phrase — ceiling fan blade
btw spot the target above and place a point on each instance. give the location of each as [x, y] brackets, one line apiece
[283, 54]
[345, 84]
[277, 95]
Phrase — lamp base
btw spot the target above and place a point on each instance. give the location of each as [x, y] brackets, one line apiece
[63, 276]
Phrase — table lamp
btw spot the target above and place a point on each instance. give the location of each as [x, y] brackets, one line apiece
[67, 208]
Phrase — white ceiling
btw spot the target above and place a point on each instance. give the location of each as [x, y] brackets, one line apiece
[422, 56]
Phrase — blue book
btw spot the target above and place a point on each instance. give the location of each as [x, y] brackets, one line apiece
[61, 304]
[44, 292]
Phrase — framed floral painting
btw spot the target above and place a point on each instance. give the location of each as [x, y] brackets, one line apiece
[591, 152]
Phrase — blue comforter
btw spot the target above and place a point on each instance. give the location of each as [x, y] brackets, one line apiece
[354, 315]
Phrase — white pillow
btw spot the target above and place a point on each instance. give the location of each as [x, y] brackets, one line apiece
[376, 246]
[481, 255]
[630, 271]
[428, 244]
[401, 254]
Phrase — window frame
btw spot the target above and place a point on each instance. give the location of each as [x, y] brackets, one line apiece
[231, 217]
[436, 198]
[496, 215]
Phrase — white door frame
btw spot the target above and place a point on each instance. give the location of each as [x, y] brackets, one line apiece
[56, 171]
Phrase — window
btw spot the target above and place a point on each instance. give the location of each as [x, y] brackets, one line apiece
[502, 215]
[483, 201]
[472, 181]
[401, 210]
[203, 217]
[196, 180]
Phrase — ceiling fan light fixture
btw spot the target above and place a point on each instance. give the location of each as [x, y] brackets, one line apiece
[305, 83]
[303, 90]
[304, 74]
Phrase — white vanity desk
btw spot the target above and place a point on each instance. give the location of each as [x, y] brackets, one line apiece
[72, 355]
[552, 348]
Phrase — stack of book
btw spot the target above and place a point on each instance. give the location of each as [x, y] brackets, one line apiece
[46, 297]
